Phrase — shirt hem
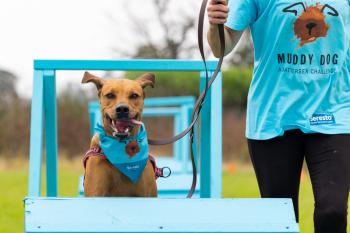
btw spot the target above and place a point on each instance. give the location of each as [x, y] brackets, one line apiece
[271, 135]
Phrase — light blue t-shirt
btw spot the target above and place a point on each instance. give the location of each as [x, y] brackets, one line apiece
[302, 65]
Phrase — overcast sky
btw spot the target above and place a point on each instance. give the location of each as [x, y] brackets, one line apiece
[67, 29]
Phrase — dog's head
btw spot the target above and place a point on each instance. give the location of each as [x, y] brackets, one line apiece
[121, 102]
[311, 24]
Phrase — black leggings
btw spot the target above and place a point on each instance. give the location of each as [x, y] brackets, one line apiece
[278, 163]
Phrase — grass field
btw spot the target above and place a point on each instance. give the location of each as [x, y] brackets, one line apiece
[13, 182]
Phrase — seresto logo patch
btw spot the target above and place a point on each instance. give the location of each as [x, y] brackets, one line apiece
[321, 119]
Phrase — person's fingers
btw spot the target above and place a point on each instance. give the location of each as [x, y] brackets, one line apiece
[217, 21]
[222, 8]
[217, 14]
[217, 11]
[214, 2]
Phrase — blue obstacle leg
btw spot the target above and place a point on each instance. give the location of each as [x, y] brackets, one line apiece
[184, 144]
[177, 129]
[211, 139]
[36, 135]
[50, 110]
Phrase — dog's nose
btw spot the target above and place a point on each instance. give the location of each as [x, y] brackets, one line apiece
[310, 26]
[122, 111]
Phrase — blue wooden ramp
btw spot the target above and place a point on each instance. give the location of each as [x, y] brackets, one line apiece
[159, 215]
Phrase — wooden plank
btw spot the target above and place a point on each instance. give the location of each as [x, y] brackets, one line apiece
[126, 65]
[50, 109]
[177, 129]
[211, 139]
[161, 111]
[216, 138]
[184, 143]
[36, 135]
[169, 101]
[159, 215]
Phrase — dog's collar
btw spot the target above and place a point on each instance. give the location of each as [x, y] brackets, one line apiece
[129, 155]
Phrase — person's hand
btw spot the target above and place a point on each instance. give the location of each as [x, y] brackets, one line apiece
[217, 11]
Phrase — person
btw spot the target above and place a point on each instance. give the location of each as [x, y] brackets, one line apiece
[299, 97]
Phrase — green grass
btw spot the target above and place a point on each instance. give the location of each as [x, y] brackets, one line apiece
[13, 183]
[243, 184]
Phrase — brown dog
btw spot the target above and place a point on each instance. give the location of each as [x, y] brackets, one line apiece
[119, 98]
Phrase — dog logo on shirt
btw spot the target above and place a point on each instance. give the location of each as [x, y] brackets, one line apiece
[311, 24]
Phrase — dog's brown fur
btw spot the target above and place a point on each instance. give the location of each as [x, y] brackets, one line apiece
[101, 177]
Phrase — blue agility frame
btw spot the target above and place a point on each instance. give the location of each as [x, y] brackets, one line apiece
[44, 118]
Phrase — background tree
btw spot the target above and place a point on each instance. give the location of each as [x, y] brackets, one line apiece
[7, 90]
[175, 38]
[14, 117]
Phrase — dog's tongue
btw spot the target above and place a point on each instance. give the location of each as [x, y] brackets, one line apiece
[122, 126]
[136, 122]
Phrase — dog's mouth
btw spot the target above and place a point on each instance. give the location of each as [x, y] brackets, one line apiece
[122, 127]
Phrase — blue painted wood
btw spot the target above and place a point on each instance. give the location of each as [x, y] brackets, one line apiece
[141, 65]
[216, 138]
[159, 215]
[36, 135]
[184, 146]
[50, 110]
[175, 165]
[161, 112]
[170, 101]
[177, 127]
[81, 186]
[93, 121]
[176, 186]
[211, 140]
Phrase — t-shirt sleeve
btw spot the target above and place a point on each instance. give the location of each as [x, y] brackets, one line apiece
[242, 13]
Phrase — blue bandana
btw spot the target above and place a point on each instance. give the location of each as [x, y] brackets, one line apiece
[129, 155]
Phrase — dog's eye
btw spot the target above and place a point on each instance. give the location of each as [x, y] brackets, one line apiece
[134, 96]
[110, 96]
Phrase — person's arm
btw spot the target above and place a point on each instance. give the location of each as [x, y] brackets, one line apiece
[217, 14]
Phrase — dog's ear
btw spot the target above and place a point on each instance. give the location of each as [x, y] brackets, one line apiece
[293, 8]
[92, 78]
[147, 79]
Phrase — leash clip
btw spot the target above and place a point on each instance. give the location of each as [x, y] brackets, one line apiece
[167, 174]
